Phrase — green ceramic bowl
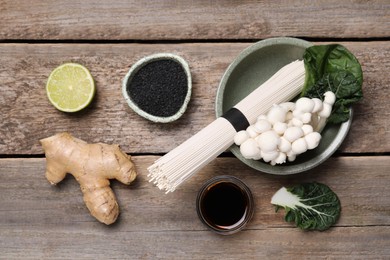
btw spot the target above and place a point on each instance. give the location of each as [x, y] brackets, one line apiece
[250, 69]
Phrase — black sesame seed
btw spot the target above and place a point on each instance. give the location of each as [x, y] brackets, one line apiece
[159, 88]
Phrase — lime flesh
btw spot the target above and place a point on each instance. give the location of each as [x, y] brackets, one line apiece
[70, 87]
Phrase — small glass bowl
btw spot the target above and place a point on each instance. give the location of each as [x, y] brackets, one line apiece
[246, 193]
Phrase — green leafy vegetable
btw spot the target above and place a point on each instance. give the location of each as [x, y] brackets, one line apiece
[333, 68]
[312, 206]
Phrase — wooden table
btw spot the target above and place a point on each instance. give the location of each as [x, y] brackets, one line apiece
[38, 220]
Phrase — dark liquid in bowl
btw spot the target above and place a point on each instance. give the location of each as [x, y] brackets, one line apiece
[224, 205]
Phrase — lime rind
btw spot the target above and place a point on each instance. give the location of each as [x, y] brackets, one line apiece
[63, 87]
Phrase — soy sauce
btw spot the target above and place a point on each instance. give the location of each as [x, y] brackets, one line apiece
[224, 205]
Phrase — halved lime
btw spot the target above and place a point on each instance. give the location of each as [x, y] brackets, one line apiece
[70, 87]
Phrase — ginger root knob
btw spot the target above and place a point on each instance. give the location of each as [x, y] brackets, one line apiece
[92, 165]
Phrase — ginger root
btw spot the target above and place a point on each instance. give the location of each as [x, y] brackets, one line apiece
[92, 165]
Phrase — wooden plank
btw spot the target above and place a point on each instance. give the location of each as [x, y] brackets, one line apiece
[71, 243]
[41, 221]
[26, 115]
[170, 20]
[26, 197]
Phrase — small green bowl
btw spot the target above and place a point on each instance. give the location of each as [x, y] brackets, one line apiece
[144, 61]
[250, 69]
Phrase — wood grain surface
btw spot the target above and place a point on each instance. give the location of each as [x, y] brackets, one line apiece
[27, 116]
[40, 221]
[178, 20]
[53, 222]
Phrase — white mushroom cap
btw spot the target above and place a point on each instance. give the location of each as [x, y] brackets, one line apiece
[257, 157]
[296, 122]
[299, 146]
[280, 159]
[290, 153]
[262, 125]
[250, 150]
[293, 133]
[307, 129]
[317, 105]
[268, 141]
[284, 146]
[330, 97]
[306, 118]
[241, 137]
[276, 114]
[304, 104]
[312, 140]
[297, 113]
[280, 128]
[269, 156]
[251, 130]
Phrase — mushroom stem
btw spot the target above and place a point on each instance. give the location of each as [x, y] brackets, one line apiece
[321, 124]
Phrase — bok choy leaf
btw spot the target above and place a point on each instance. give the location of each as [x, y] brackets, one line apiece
[312, 206]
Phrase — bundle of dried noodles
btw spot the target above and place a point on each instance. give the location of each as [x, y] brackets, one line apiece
[172, 169]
